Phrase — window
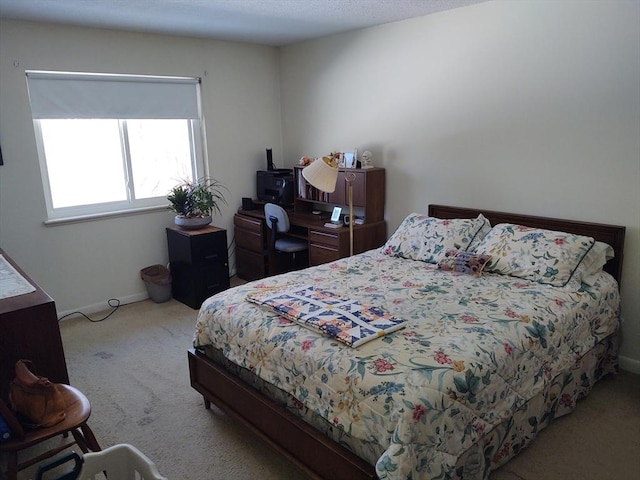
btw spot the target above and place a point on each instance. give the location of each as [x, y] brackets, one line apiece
[110, 144]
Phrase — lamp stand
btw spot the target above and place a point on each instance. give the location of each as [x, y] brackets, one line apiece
[349, 177]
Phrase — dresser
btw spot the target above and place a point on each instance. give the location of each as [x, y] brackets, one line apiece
[29, 330]
[199, 263]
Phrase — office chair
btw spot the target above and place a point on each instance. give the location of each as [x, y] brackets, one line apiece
[281, 245]
[75, 422]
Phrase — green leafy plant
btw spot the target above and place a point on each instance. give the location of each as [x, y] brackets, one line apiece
[198, 198]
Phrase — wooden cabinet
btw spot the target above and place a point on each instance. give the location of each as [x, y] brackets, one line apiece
[199, 263]
[29, 329]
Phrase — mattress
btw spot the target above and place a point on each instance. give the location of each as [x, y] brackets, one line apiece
[482, 364]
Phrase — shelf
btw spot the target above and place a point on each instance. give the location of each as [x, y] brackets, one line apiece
[368, 193]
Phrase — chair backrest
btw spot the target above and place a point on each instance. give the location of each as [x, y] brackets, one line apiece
[276, 214]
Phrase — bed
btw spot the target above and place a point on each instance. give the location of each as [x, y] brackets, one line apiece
[493, 347]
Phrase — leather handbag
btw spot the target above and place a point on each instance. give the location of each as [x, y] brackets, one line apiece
[37, 401]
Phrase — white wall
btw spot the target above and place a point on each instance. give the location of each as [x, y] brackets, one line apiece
[83, 265]
[528, 106]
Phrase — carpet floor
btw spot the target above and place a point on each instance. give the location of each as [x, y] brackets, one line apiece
[133, 368]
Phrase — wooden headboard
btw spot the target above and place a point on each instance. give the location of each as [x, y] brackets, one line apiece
[611, 234]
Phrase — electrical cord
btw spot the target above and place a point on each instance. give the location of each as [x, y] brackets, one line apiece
[230, 254]
[113, 303]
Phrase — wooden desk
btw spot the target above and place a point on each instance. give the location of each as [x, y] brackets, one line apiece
[29, 330]
[325, 244]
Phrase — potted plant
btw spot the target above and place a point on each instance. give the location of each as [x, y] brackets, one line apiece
[195, 201]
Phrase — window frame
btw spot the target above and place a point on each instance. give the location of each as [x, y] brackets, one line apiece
[129, 206]
[120, 97]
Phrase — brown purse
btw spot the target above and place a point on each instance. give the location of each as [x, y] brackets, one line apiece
[37, 400]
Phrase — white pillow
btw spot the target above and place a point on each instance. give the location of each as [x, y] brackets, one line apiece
[592, 263]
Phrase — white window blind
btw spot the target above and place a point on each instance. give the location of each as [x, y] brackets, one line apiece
[90, 95]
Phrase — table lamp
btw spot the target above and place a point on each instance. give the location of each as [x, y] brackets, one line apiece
[323, 176]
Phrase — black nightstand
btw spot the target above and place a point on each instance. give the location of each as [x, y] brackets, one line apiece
[199, 263]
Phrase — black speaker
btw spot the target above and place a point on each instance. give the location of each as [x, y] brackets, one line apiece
[270, 159]
[247, 203]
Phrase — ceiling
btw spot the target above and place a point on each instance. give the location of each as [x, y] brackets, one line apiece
[266, 22]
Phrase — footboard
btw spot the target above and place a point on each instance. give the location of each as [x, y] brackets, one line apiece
[313, 453]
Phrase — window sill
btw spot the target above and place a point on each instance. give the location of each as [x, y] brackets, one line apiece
[52, 222]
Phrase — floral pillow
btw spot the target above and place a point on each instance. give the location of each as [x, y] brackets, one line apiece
[543, 256]
[460, 261]
[427, 239]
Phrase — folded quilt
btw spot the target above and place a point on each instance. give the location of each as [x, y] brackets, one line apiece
[346, 320]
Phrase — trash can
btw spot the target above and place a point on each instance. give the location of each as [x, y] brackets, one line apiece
[157, 279]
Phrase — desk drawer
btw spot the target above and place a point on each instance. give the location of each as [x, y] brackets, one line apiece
[324, 238]
[250, 240]
[319, 254]
[249, 234]
[250, 265]
[247, 223]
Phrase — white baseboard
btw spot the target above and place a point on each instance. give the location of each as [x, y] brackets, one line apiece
[102, 306]
[629, 364]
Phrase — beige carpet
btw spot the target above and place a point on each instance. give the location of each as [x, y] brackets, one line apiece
[133, 368]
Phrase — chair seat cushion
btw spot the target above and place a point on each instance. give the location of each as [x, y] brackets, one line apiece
[288, 245]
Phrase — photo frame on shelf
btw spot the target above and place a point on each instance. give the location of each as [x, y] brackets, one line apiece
[349, 159]
[335, 215]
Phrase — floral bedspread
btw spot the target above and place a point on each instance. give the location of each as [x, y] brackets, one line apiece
[474, 351]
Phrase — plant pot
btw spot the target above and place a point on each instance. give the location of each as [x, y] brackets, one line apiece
[192, 223]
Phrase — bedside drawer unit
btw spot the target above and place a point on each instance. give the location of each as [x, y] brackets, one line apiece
[199, 263]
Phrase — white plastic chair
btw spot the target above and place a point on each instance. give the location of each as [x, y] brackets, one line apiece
[121, 462]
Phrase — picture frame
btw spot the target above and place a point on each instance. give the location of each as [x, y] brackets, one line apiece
[349, 159]
[335, 215]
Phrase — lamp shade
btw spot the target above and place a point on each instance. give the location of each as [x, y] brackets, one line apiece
[321, 175]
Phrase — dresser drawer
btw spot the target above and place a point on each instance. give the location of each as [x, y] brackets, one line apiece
[215, 279]
[208, 249]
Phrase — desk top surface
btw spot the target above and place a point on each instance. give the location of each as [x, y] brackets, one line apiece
[306, 220]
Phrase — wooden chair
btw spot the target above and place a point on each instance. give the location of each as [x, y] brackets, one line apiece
[77, 413]
[282, 244]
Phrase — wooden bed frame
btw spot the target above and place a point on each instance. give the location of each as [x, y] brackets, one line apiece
[313, 453]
